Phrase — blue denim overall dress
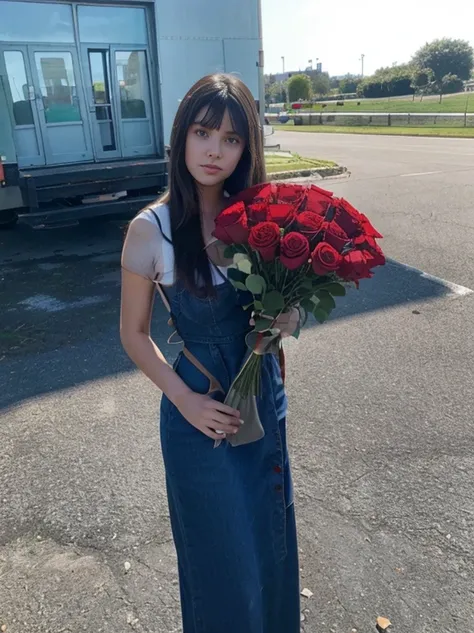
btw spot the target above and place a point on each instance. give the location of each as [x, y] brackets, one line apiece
[231, 508]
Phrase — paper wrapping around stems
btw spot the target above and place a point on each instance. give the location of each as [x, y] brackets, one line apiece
[259, 343]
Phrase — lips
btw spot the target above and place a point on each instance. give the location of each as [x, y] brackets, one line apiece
[211, 169]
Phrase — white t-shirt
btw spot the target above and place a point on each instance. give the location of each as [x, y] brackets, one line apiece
[147, 253]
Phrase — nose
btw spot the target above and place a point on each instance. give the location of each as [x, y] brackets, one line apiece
[214, 149]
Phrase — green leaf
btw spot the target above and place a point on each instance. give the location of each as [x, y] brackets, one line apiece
[238, 284]
[297, 332]
[326, 301]
[320, 315]
[307, 304]
[261, 325]
[258, 306]
[244, 265]
[229, 252]
[256, 284]
[306, 284]
[273, 302]
[238, 257]
[236, 275]
[337, 290]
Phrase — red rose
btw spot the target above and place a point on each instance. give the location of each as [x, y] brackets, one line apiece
[348, 218]
[294, 251]
[257, 193]
[290, 193]
[317, 200]
[325, 259]
[368, 243]
[356, 265]
[231, 225]
[258, 212]
[334, 235]
[309, 223]
[368, 228]
[282, 214]
[265, 238]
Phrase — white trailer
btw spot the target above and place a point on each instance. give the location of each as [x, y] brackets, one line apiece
[88, 93]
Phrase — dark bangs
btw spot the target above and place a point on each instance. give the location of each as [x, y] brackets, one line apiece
[217, 105]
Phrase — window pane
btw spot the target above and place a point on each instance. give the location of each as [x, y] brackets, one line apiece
[58, 87]
[35, 22]
[99, 75]
[112, 25]
[16, 74]
[133, 83]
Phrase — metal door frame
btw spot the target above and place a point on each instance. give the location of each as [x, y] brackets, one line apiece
[114, 48]
[99, 153]
[23, 49]
[84, 122]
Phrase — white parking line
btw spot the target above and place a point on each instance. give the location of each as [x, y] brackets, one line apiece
[421, 173]
[460, 291]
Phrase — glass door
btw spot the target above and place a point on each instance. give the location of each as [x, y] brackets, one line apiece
[101, 106]
[16, 76]
[132, 90]
[60, 105]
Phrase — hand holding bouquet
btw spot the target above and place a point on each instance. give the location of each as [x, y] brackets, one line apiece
[292, 246]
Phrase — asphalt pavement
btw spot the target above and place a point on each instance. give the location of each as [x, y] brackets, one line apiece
[380, 422]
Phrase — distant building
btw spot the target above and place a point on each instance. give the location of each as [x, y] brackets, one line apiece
[281, 77]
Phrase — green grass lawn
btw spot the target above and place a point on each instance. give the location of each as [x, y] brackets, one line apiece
[275, 163]
[461, 132]
[454, 103]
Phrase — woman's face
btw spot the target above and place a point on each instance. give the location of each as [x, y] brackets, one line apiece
[213, 155]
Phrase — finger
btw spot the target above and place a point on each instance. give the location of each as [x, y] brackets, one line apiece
[227, 429]
[222, 418]
[224, 408]
[214, 436]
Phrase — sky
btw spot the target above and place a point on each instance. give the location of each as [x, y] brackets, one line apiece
[338, 32]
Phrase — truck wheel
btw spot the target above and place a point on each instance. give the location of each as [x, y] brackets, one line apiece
[8, 219]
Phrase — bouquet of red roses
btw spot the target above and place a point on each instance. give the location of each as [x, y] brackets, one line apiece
[291, 246]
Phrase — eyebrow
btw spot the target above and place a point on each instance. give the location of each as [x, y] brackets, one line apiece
[227, 132]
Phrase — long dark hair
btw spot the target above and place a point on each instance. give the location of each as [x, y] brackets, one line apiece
[217, 93]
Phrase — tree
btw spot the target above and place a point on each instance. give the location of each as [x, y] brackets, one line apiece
[321, 84]
[421, 79]
[349, 84]
[451, 84]
[394, 81]
[276, 93]
[446, 57]
[299, 87]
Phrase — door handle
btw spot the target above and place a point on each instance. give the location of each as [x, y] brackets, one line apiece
[40, 102]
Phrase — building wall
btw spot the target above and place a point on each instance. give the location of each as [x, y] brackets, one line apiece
[199, 37]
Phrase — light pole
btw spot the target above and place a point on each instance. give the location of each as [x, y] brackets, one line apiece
[261, 77]
[283, 63]
[362, 61]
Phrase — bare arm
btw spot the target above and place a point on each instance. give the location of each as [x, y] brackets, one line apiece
[135, 318]
[140, 264]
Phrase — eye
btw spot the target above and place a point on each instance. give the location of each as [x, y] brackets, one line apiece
[201, 133]
[233, 140]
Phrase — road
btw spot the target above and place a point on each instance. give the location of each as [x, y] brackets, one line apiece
[381, 421]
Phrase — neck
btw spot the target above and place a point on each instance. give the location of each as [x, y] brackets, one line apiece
[211, 199]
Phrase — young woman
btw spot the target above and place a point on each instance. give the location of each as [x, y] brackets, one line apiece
[231, 508]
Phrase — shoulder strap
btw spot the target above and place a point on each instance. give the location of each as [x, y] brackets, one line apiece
[158, 221]
[218, 270]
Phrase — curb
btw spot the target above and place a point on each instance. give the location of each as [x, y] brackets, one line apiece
[324, 172]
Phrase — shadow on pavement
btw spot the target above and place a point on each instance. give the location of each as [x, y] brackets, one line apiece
[60, 310]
